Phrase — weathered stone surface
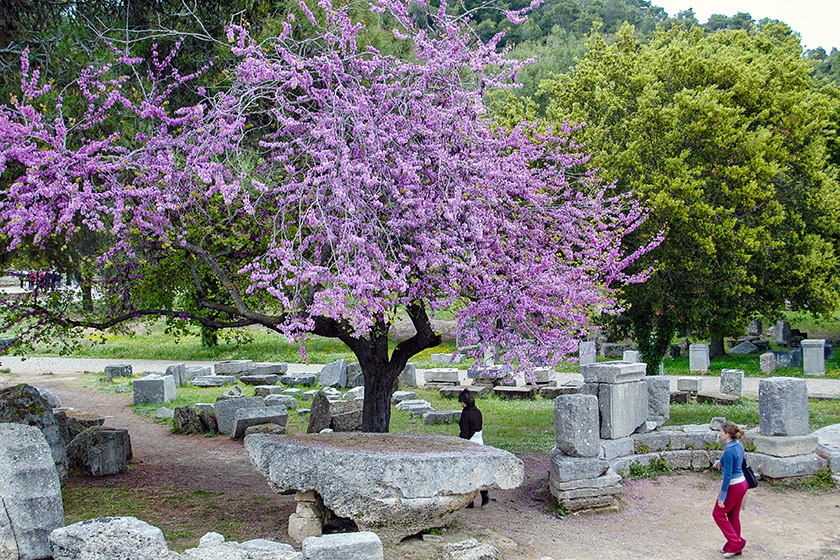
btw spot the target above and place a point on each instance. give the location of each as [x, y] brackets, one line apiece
[109, 538]
[252, 416]
[49, 397]
[447, 358]
[216, 548]
[305, 380]
[207, 416]
[400, 396]
[213, 380]
[651, 441]
[659, 401]
[782, 446]
[265, 390]
[118, 370]
[192, 372]
[354, 394]
[732, 382]
[319, 413]
[630, 356]
[154, 389]
[813, 356]
[417, 407]
[783, 407]
[442, 375]
[71, 423]
[30, 493]
[576, 426]
[270, 368]
[470, 549]
[612, 372]
[302, 527]
[698, 358]
[788, 358]
[563, 468]
[333, 375]
[437, 417]
[587, 352]
[828, 446]
[379, 481]
[178, 373]
[281, 400]
[786, 467]
[409, 375]
[552, 392]
[165, 413]
[717, 398]
[745, 347]
[100, 451]
[23, 404]
[226, 411]
[690, 384]
[364, 545]
[623, 408]
[235, 392]
[767, 362]
[511, 393]
[350, 421]
[233, 367]
[613, 448]
[186, 421]
[260, 379]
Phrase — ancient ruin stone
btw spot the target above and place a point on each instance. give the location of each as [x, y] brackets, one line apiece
[186, 421]
[23, 404]
[100, 451]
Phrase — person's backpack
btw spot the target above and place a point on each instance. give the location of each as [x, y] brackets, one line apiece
[752, 480]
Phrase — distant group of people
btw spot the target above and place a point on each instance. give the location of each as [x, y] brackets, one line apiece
[43, 280]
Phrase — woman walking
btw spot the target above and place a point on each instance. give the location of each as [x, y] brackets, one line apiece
[732, 490]
[471, 424]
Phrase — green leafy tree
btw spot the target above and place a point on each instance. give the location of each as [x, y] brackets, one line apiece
[725, 137]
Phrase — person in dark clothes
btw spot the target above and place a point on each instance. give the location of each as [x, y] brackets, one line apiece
[471, 424]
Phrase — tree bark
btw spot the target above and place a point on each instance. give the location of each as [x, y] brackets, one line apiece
[716, 347]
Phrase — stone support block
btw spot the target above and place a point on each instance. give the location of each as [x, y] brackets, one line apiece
[659, 398]
[154, 389]
[364, 545]
[576, 427]
[515, 393]
[623, 408]
[653, 441]
[786, 467]
[614, 448]
[564, 468]
[698, 358]
[612, 372]
[690, 384]
[813, 356]
[732, 382]
[783, 407]
[782, 446]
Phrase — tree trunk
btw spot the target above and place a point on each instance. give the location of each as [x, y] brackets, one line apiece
[653, 336]
[716, 347]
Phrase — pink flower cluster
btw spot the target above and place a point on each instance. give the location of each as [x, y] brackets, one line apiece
[335, 181]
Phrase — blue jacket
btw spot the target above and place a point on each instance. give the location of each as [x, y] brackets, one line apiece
[730, 465]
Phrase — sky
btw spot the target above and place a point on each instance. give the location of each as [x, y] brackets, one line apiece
[817, 21]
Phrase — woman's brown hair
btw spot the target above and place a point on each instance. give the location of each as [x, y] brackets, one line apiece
[734, 430]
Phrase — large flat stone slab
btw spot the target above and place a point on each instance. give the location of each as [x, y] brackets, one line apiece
[782, 446]
[226, 411]
[786, 467]
[383, 482]
[612, 372]
[30, 493]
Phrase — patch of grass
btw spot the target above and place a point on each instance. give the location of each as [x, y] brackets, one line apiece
[5, 370]
[823, 413]
[820, 483]
[556, 510]
[656, 467]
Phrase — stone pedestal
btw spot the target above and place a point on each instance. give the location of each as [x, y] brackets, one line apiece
[587, 352]
[732, 382]
[783, 407]
[698, 358]
[768, 363]
[813, 356]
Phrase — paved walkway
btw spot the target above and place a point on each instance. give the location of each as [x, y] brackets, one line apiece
[817, 387]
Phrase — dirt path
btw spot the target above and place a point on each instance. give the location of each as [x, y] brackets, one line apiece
[193, 484]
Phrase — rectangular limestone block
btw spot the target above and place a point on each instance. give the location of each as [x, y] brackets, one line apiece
[233, 367]
[442, 375]
[659, 398]
[269, 368]
[587, 352]
[813, 356]
[678, 460]
[652, 441]
[118, 370]
[786, 467]
[615, 448]
[623, 408]
[576, 427]
[782, 446]
[563, 468]
[612, 372]
[586, 492]
[732, 382]
[698, 358]
[783, 407]
[226, 411]
[155, 389]
[247, 417]
[690, 384]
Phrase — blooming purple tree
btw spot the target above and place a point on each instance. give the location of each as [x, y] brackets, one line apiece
[329, 188]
